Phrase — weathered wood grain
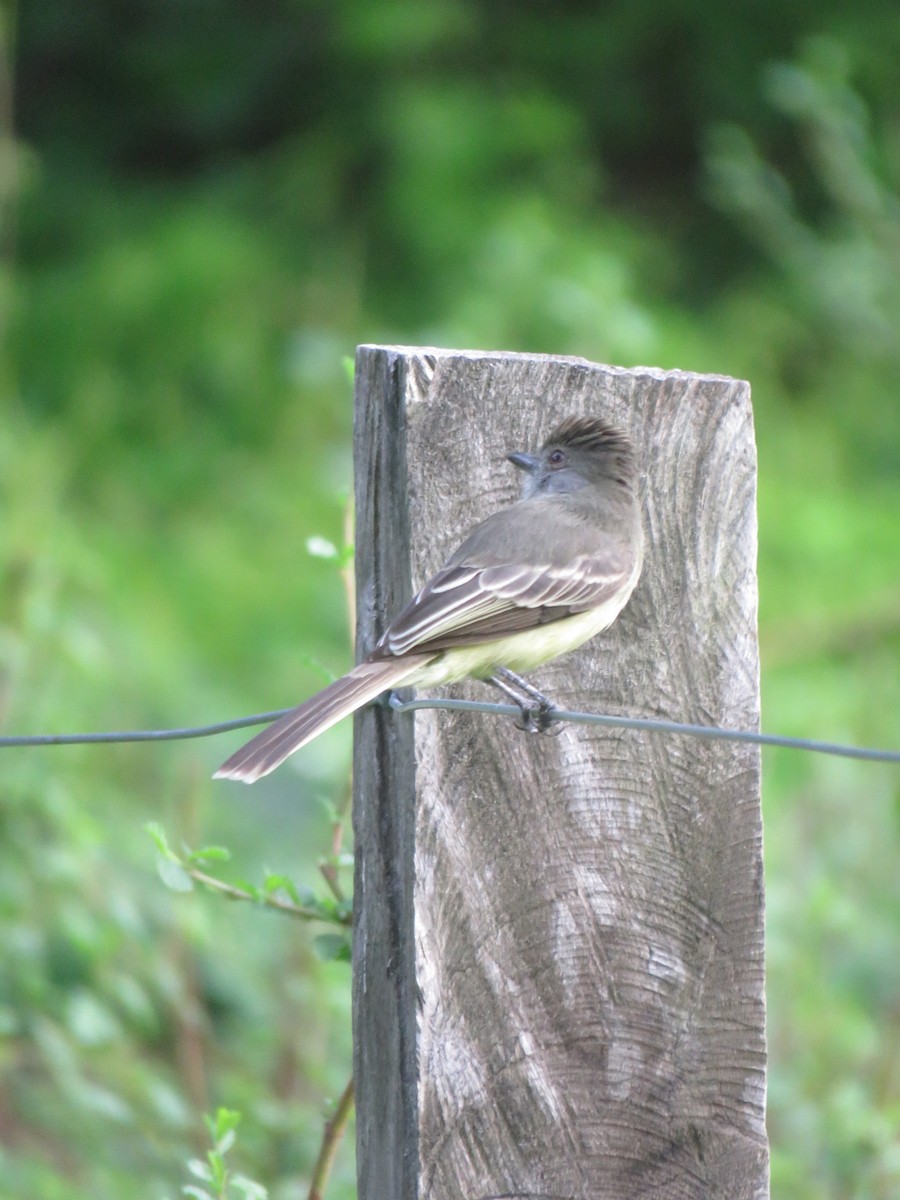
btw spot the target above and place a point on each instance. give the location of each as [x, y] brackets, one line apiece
[558, 951]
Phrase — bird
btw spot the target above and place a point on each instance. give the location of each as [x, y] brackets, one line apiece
[534, 580]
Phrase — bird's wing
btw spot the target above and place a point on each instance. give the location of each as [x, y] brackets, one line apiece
[466, 603]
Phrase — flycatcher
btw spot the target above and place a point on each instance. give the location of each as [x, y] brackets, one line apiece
[531, 582]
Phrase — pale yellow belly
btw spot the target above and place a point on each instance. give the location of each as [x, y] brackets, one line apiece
[521, 651]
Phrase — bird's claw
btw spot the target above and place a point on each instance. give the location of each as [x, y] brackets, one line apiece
[537, 718]
[535, 710]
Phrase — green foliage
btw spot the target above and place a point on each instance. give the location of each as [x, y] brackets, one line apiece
[179, 872]
[843, 265]
[116, 1005]
[212, 212]
[219, 1183]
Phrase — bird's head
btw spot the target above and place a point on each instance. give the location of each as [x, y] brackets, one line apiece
[579, 452]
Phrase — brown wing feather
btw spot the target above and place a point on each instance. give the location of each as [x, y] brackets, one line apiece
[462, 605]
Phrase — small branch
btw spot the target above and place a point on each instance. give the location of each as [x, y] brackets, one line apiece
[329, 873]
[300, 911]
[329, 869]
[331, 1137]
[340, 816]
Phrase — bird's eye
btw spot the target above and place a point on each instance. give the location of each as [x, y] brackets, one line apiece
[556, 459]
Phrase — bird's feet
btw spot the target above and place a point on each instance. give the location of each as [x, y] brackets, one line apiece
[536, 717]
[536, 711]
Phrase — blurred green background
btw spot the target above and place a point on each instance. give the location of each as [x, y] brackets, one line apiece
[205, 206]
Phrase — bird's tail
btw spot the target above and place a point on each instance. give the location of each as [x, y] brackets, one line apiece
[270, 748]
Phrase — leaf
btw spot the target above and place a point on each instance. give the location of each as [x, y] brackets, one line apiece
[225, 1120]
[251, 1189]
[173, 875]
[197, 1192]
[326, 908]
[281, 883]
[199, 1168]
[225, 1142]
[218, 1168]
[320, 547]
[158, 834]
[210, 854]
[332, 947]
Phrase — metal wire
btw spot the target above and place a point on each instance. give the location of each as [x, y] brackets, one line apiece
[868, 754]
[139, 735]
[655, 726]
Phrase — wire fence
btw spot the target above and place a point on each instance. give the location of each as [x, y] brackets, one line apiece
[652, 725]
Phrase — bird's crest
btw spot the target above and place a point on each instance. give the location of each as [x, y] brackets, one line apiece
[589, 433]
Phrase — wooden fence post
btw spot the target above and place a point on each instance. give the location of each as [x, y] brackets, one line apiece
[558, 949]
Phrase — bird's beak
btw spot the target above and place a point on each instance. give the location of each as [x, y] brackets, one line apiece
[525, 462]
